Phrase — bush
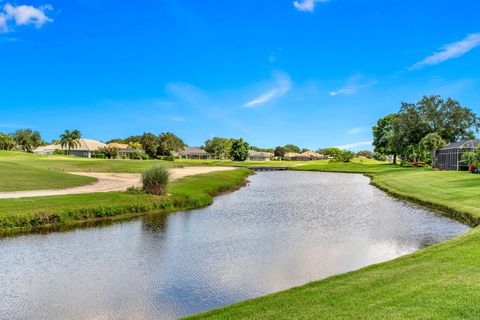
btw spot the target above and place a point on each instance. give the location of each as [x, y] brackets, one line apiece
[136, 155]
[155, 180]
[166, 158]
[58, 151]
[99, 155]
[145, 156]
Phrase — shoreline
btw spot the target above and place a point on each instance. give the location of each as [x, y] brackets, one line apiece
[292, 299]
[185, 196]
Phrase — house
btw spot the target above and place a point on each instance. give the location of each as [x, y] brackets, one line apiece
[313, 155]
[48, 149]
[124, 151]
[193, 153]
[296, 156]
[450, 157]
[84, 148]
[259, 156]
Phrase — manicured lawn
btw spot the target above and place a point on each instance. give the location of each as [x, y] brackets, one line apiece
[76, 164]
[439, 282]
[17, 176]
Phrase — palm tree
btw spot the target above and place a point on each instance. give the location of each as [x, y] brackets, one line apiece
[70, 139]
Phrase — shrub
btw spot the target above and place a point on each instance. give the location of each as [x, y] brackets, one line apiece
[155, 180]
[136, 155]
[110, 152]
[135, 190]
[145, 156]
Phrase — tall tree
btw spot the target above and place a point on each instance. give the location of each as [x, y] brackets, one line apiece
[150, 143]
[27, 139]
[168, 143]
[218, 148]
[70, 139]
[279, 152]
[448, 118]
[292, 148]
[239, 151]
[383, 136]
[330, 152]
[432, 142]
[6, 142]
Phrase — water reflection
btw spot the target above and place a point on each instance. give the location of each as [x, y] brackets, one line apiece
[283, 230]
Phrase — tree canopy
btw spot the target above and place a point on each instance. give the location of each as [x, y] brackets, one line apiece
[291, 148]
[27, 139]
[218, 148]
[6, 142]
[70, 139]
[406, 131]
[239, 151]
[168, 143]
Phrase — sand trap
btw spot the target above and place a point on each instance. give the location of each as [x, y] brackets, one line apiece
[109, 182]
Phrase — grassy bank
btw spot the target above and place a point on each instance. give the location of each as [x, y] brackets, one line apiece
[438, 282]
[26, 214]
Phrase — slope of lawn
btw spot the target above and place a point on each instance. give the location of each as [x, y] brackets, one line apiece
[438, 282]
[77, 164]
[23, 214]
[17, 176]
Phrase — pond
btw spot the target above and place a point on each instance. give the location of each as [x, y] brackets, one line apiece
[283, 230]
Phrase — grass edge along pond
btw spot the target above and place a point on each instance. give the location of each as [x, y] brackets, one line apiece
[25, 215]
[438, 282]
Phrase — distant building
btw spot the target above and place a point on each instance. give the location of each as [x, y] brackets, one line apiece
[259, 156]
[124, 151]
[192, 153]
[48, 149]
[313, 155]
[450, 157]
[84, 148]
[296, 156]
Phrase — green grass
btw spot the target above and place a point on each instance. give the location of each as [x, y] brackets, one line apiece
[76, 164]
[438, 282]
[25, 214]
[17, 176]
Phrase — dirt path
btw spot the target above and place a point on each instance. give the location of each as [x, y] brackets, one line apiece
[108, 182]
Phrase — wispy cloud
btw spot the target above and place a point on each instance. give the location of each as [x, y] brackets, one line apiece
[11, 15]
[352, 86]
[281, 85]
[307, 5]
[450, 51]
[13, 126]
[356, 130]
[178, 119]
[354, 145]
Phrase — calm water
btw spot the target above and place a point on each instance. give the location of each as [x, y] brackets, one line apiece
[283, 230]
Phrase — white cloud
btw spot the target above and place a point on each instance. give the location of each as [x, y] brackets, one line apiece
[356, 130]
[23, 15]
[352, 86]
[354, 145]
[450, 51]
[282, 84]
[307, 5]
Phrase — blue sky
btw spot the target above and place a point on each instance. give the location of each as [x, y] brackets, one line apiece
[309, 72]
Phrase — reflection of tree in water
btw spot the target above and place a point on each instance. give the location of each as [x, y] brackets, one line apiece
[155, 223]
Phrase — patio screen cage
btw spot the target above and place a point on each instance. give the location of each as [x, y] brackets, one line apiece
[450, 157]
